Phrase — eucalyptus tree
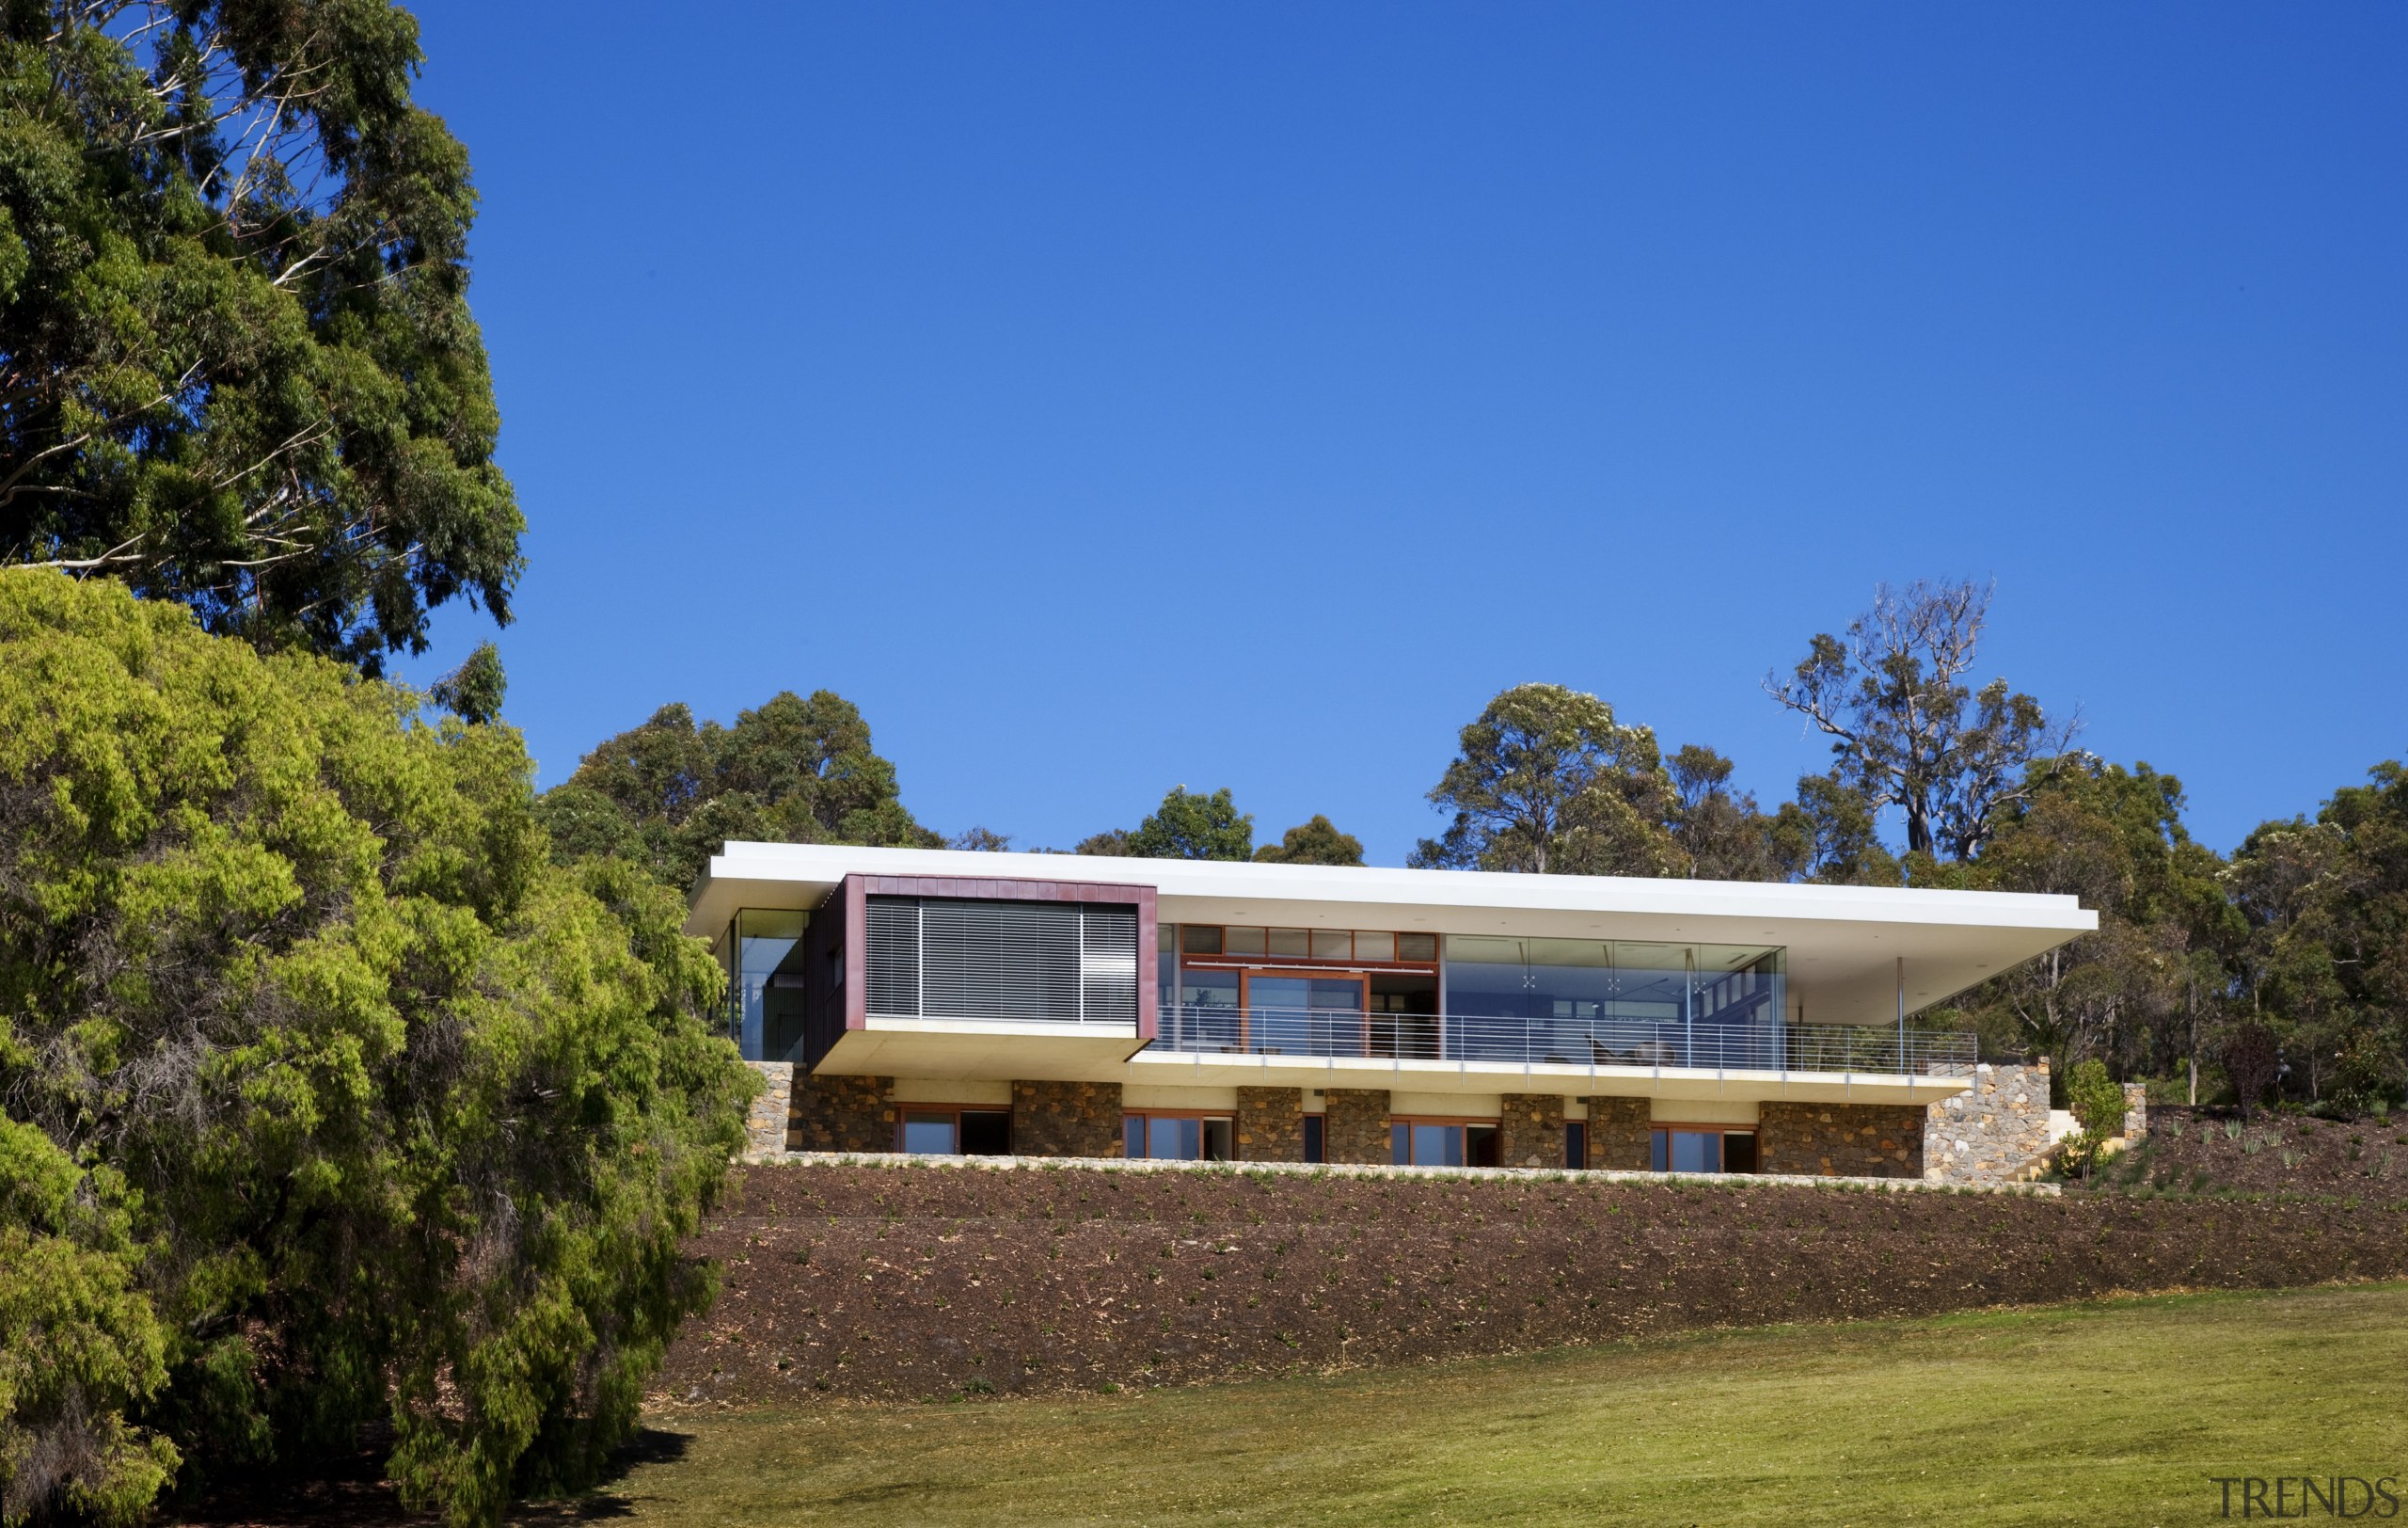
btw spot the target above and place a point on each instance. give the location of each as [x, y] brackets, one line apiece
[1907, 728]
[237, 364]
[1548, 782]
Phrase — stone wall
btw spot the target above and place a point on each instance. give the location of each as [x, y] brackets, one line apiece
[1271, 1124]
[2136, 1110]
[1849, 1140]
[1355, 1125]
[772, 1113]
[1529, 1131]
[840, 1114]
[1994, 1132]
[1619, 1134]
[1066, 1119]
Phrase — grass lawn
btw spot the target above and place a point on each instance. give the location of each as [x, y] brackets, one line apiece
[2112, 1413]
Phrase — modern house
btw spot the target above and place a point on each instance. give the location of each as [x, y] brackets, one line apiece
[920, 1000]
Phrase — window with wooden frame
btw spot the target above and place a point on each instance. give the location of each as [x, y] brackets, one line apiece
[1179, 1136]
[1425, 1142]
[1703, 1148]
[954, 1130]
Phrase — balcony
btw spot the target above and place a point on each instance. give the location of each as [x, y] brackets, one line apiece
[1592, 1045]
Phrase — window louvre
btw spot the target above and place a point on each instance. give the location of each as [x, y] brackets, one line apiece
[959, 957]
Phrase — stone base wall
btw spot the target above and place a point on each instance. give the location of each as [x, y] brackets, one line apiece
[1529, 1131]
[1355, 1125]
[1994, 1132]
[2136, 1110]
[1846, 1140]
[1066, 1119]
[772, 1113]
[840, 1114]
[1619, 1134]
[1271, 1124]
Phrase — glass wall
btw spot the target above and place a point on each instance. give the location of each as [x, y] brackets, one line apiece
[765, 989]
[1613, 1002]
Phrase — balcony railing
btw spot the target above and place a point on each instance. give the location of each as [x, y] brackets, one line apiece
[1582, 1042]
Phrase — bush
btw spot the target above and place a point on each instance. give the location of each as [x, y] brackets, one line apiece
[2251, 1060]
[376, 1113]
[2097, 1103]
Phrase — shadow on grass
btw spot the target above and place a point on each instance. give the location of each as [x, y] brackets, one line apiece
[350, 1491]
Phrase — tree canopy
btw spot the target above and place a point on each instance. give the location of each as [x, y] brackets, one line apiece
[1191, 826]
[237, 365]
[1548, 782]
[667, 794]
[324, 1095]
[1908, 731]
[1314, 842]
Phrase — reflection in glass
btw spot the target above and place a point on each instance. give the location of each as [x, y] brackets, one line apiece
[767, 989]
[928, 1134]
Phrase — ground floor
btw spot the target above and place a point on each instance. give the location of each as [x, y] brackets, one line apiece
[1991, 1131]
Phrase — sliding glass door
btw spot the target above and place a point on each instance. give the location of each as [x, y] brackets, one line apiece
[1305, 1015]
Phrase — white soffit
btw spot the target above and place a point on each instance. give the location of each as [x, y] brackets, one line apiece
[1844, 942]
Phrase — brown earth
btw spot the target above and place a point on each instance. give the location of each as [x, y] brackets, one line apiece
[869, 1283]
[2214, 1151]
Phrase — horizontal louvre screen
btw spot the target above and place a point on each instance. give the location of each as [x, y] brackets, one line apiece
[1108, 963]
[894, 955]
[956, 958]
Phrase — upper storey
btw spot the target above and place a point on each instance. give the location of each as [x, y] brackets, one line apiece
[1853, 954]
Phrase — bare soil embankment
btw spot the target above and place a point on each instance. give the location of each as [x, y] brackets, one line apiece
[867, 1282]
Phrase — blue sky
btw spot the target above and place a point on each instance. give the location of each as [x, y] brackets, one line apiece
[1108, 397]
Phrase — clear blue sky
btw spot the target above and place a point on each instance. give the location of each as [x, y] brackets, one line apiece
[1112, 396]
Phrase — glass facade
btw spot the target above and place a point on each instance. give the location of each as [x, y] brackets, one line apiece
[1613, 1002]
[765, 985]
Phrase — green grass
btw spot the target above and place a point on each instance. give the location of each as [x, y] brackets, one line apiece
[2109, 1412]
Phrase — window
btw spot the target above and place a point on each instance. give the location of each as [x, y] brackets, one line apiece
[1442, 1143]
[1575, 1145]
[767, 989]
[941, 1130]
[963, 957]
[1179, 1137]
[1701, 1149]
[1313, 1148]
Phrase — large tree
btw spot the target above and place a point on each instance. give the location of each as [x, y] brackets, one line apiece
[237, 365]
[1907, 728]
[325, 1097]
[1548, 782]
[1314, 842]
[798, 769]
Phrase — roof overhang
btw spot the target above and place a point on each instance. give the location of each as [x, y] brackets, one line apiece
[1845, 944]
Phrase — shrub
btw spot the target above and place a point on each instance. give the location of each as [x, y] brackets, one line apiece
[2251, 1061]
[408, 1123]
[2097, 1103]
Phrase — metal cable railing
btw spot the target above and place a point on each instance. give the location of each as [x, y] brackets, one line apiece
[1557, 1041]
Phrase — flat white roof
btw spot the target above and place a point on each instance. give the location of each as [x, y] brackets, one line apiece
[1844, 942]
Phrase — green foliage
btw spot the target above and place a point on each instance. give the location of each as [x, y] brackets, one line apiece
[79, 1348]
[1908, 731]
[1188, 826]
[240, 367]
[1721, 833]
[408, 1120]
[1548, 782]
[667, 794]
[473, 691]
[2097, 1103]
[1317, 842]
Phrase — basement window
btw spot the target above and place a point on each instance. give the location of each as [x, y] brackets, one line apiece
[1179, 1137]
[1702, 1149]
[940, 1130]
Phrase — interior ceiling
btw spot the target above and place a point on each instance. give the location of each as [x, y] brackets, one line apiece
[1845, 942]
